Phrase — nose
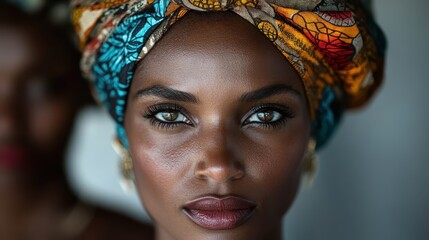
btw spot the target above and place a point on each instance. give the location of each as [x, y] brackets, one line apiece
[9, 115]
[219, 162]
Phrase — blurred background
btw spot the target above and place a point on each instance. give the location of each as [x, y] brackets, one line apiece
[373, 175]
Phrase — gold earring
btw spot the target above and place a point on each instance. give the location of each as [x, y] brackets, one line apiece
[125, 166]
[310, 163]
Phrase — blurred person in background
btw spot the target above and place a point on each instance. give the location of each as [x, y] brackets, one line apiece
[41, 91]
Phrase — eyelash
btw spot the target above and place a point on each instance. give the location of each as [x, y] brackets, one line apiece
[286, 114]
[153, 110]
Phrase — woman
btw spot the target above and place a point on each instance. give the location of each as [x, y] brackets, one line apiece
[220, 104]
[41, 93]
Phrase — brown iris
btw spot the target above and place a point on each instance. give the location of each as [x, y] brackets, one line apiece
[266, 116]
[170, 116]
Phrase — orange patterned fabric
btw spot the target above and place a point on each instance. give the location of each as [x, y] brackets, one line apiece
[331, 43]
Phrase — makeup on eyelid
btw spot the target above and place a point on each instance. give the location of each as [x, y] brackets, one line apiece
[263, 115]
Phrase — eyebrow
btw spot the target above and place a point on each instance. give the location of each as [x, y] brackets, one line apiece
[167, 93]
[176, 95]
[268, 92]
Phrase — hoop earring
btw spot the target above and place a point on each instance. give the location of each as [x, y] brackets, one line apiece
[125, 166]
[310, 163]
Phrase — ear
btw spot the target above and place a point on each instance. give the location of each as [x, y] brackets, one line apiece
[310, 162]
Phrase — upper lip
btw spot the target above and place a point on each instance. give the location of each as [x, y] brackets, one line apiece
[219, 203]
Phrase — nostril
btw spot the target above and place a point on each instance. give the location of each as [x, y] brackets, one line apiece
[238, 175]
[219, 172]
[238, 170]
[199, 171]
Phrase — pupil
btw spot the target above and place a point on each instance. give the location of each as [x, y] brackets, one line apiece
[265, 116]
[170, 116]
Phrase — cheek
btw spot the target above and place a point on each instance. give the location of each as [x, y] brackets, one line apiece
[280, 175]
[50, 123]
[276, 165]
[159, 170]
[152, 166]
[151, 187]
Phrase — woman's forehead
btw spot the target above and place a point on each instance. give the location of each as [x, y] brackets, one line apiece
[17, 48]
[211, 48]
[224, 33]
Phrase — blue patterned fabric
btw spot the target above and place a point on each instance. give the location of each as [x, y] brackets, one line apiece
[114, 67]
[323, 126]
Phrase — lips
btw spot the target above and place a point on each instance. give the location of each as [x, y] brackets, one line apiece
[12, 157]
[216, 213]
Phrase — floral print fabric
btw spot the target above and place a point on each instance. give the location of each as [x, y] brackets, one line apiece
[333, 44]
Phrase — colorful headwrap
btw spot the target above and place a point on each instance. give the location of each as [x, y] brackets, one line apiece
[334, 45]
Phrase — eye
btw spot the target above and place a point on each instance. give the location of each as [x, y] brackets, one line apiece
[269, 116]
[41, 88]
[171, 116]
[167, 116]
[266, 116]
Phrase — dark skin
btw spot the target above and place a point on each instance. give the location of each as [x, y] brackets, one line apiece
[216, 110]
[41, 93]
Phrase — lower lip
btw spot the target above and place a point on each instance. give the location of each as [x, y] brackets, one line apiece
[12, 158]
[219, 220]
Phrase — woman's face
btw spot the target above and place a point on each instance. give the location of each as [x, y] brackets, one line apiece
[37, 106]
[218, 123]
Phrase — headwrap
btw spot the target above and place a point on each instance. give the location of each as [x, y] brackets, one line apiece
[334, 46]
